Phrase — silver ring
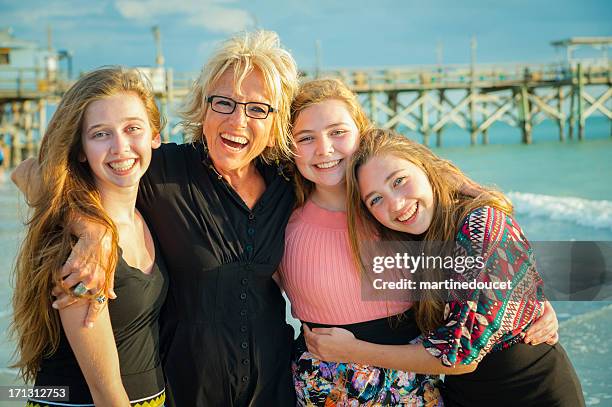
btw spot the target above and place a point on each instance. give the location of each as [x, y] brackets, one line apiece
[79, 290]
[101, 298]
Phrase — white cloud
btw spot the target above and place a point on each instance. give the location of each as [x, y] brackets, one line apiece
[214, 15]
[145, 10]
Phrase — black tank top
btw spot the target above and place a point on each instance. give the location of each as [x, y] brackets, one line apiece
[135, 319]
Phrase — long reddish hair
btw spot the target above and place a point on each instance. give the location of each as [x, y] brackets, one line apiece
[67, 190]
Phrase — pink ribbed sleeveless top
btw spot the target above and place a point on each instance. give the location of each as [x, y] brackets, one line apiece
[318, 272]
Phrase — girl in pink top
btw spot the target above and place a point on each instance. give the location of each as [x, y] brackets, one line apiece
[318, 271]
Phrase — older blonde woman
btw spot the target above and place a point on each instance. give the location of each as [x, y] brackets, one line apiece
[218, 206]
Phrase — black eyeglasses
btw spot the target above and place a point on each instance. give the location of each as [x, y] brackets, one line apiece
[224, 105]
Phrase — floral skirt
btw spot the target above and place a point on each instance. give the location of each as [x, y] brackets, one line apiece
[330, 384]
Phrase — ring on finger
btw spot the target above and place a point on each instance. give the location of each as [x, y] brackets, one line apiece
[101, 298]
[79, 290]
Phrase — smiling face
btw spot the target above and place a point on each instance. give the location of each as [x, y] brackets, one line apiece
[117, 140]
[325, 136]
[397, 193]
[235, 139]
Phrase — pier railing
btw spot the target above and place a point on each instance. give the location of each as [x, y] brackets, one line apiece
[444, 76]
[31, 82]
[459, 76]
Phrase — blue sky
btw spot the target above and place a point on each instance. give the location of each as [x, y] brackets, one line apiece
[358, 33]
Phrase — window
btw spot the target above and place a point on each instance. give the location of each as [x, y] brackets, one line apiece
[4, 56]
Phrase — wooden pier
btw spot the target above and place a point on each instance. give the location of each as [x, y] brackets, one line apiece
[427, 99]
[423, 99]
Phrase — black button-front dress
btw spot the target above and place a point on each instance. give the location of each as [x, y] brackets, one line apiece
[225, 341]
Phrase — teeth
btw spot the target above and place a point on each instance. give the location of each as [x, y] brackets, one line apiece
[409, 214]
[328, 164]
[122, 165]
[235, 139]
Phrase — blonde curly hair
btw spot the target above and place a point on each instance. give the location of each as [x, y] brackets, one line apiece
[243, 53]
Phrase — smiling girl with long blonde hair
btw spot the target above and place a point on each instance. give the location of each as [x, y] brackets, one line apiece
[93, 154]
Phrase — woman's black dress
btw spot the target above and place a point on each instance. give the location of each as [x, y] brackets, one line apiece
[225, 340]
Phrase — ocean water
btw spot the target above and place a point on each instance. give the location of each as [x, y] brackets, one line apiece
[561, 191]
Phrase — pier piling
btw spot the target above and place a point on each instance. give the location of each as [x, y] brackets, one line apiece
[561, 121]
[580, 100]
[525, 115]
[439, 117]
